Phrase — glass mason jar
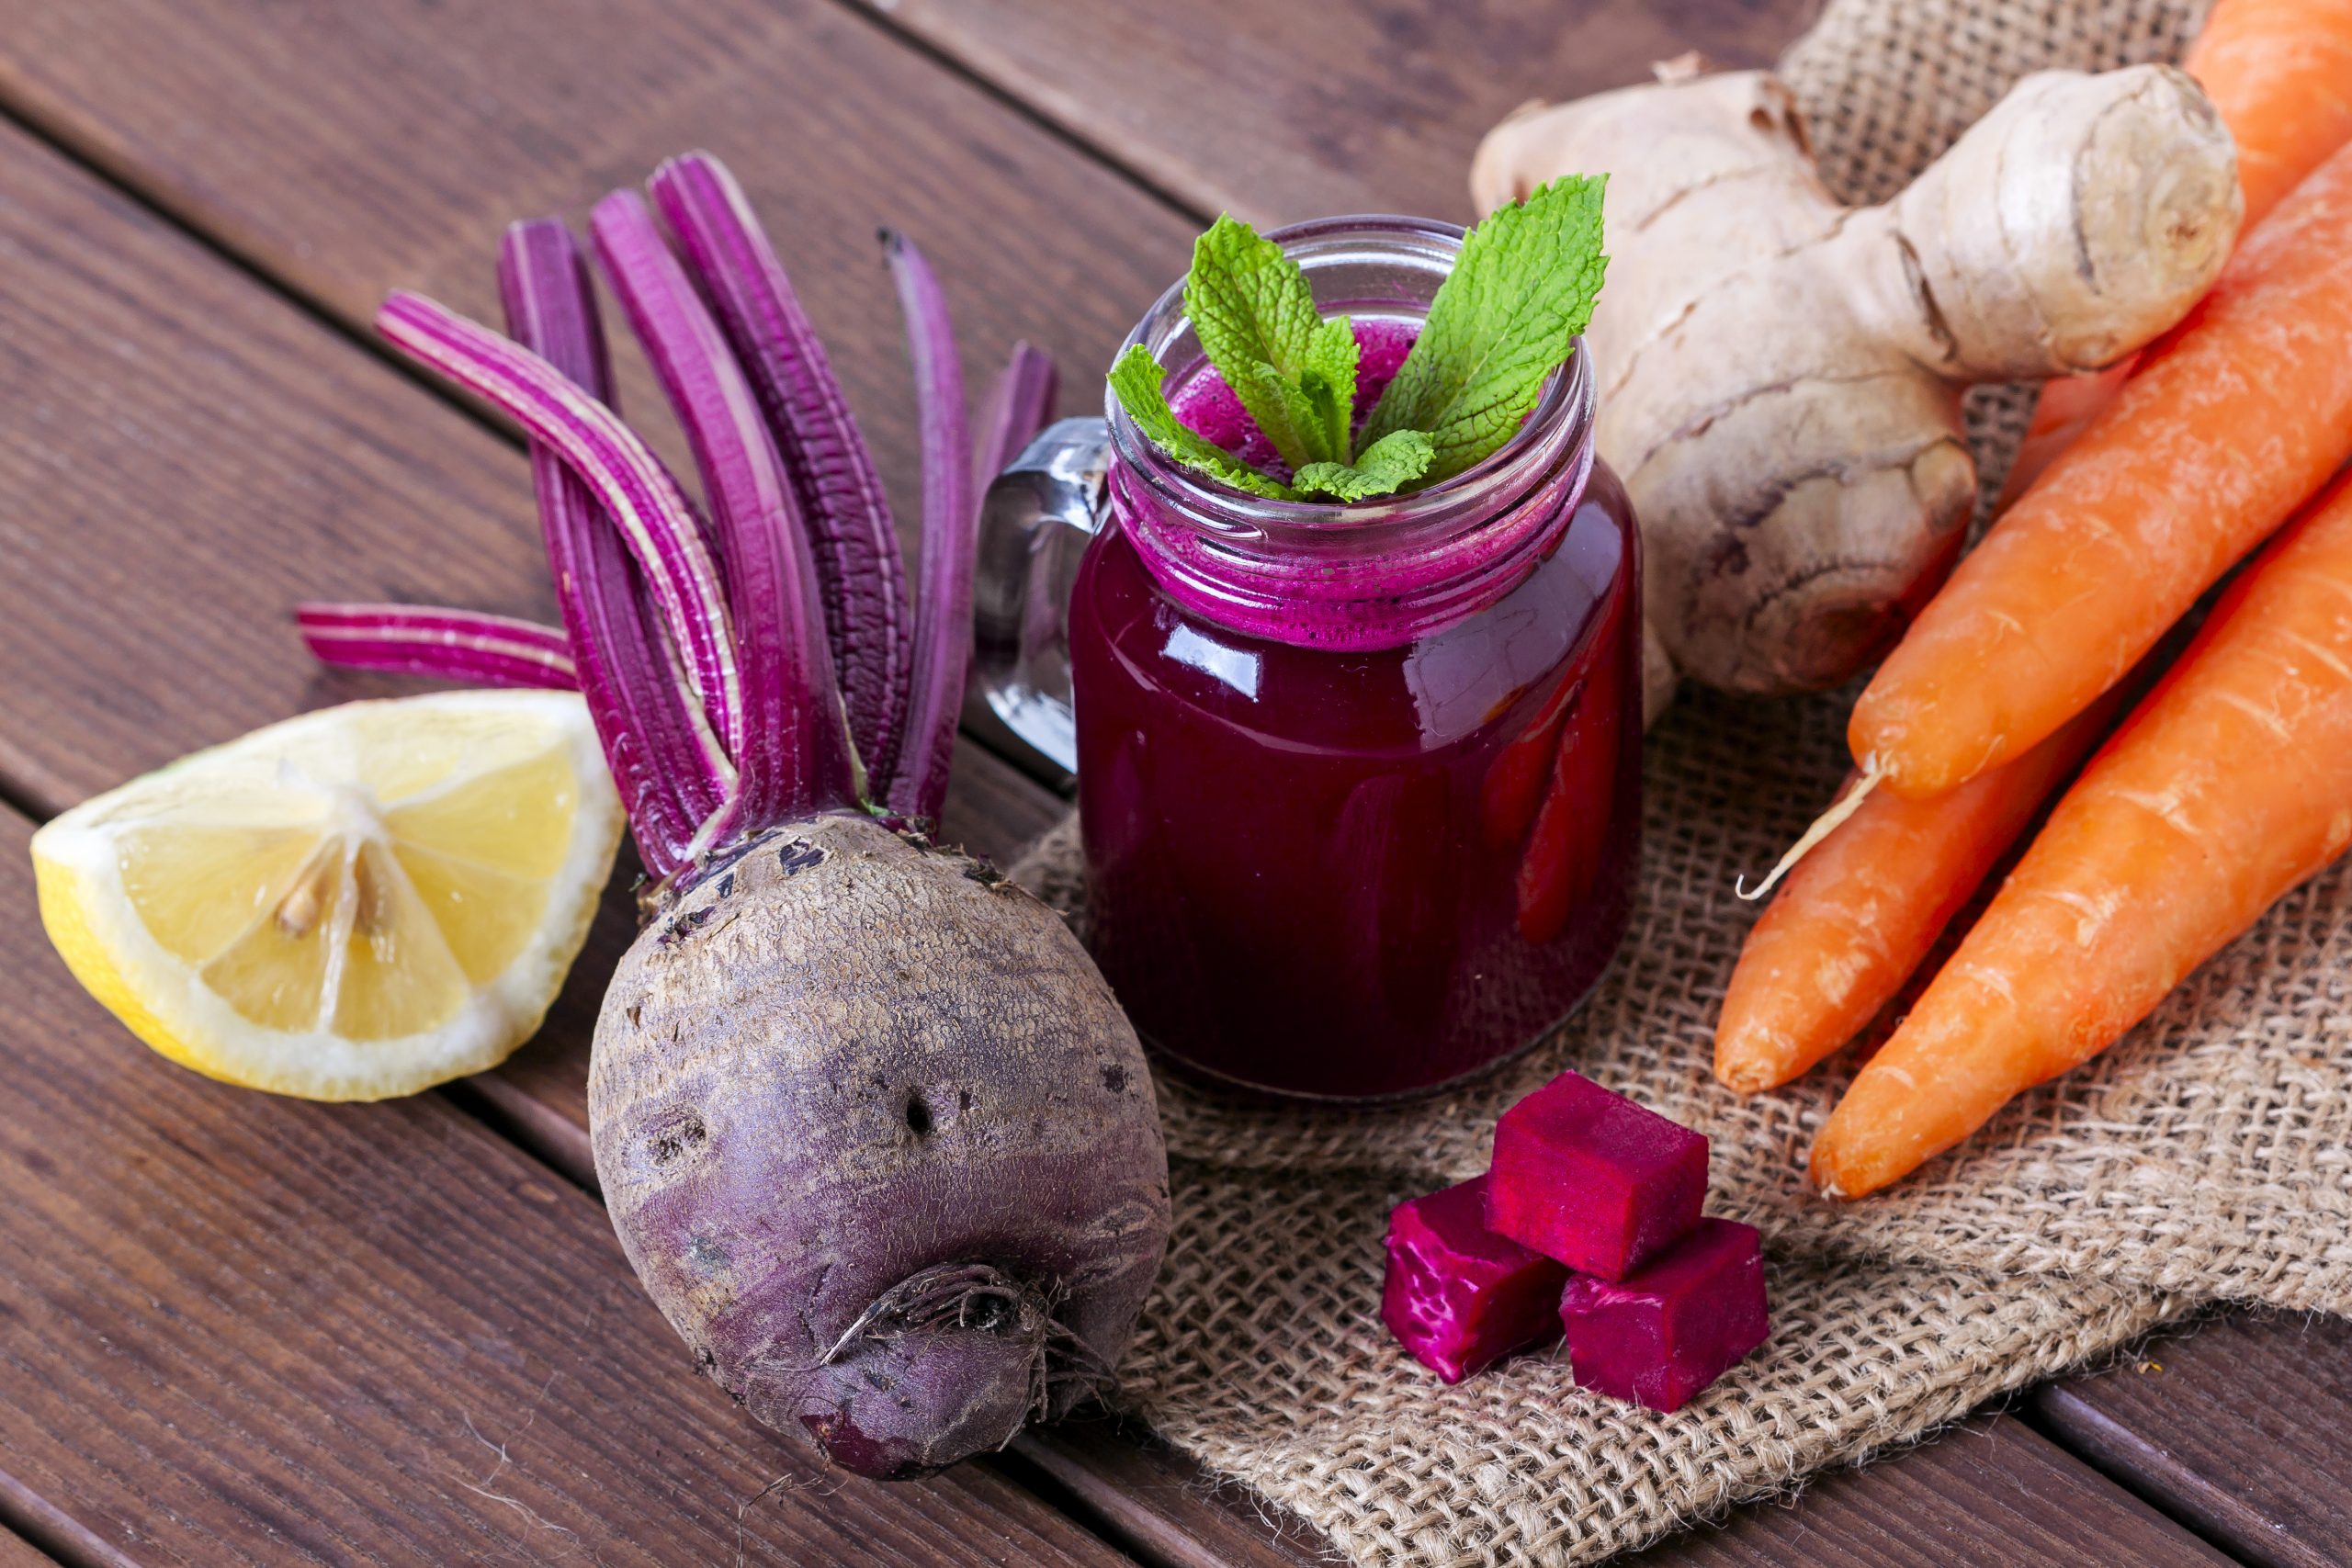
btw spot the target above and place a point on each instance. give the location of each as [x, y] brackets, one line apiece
[1359, 786]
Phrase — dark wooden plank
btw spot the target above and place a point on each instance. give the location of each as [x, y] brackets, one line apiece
[1989, 1494]
[16, 1552]
[2242, 1428]
[184, 457]
[995, 809]
[1163, 1507]
[354, 150]
[347, 150]
[241, 1330]
[1279, 112]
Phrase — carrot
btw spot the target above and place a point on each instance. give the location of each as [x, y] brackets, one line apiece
[2063, 410]
[2231, 422]
[2229, 785]
[1861, 912]
[2280, 72]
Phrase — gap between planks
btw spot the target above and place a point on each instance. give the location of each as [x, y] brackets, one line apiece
[36, 1533]
[882, 15]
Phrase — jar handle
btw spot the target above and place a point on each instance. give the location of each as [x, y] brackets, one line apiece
[1036, 520]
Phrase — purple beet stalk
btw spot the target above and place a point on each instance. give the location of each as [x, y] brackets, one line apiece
[793, 755]
[627, 480]
[456, 645]
[842, 504]
[499, 650]
[672, 773]
[1019, 404]
[943, 650]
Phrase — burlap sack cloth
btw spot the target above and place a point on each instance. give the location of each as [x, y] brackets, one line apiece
[2208, 1156]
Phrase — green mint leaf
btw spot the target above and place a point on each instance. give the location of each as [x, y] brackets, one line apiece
[1328, 379]
[1283, 412]
[1137, 381]
[1251, 306]
[1503, 320]
[1387, 465]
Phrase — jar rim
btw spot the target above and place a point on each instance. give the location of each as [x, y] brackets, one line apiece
[1221, 508]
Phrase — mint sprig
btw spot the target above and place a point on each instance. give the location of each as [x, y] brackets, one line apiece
[1138, 379]
[1256, 319]
[1386, 467]
[1327, 380]
[1505, 319]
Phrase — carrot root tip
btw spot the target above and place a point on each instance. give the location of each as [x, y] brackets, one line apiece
[1823, 826]
[1745, 1078]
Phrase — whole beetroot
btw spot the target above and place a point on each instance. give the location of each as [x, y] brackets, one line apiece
[879, 1144]
[874, 1133]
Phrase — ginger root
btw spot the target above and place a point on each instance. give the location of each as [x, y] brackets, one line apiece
[1780, 377]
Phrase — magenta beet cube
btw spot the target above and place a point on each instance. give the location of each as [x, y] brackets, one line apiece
[1667, 1330]
[1593, 1179]
[1458, 1295]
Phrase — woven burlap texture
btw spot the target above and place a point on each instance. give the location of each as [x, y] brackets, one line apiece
[2208, 1156]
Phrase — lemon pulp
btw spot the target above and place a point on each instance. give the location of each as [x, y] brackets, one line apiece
[359, 902]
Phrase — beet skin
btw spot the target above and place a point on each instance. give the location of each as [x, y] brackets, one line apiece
[879, 1144]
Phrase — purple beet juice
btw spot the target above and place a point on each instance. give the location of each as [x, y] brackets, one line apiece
[1360, 784]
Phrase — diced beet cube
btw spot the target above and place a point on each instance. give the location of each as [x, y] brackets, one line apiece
[1661, 1333]
[1458, 1295]
[1593, 1179]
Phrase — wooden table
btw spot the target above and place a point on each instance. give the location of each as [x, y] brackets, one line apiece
[239, 1329]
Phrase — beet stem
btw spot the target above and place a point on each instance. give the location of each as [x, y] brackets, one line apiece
[665, 761]
[1020, 404]
[448, 645]
[851, 539]
[627, 480]
[918, 784]
[794, 756]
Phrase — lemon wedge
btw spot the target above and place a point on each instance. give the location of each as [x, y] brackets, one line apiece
[357, 903]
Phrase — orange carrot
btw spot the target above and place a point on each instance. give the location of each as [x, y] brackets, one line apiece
[2062, 412]
[2230, 784]
[2230, 424]
[2280, 72]
[1861, 912]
